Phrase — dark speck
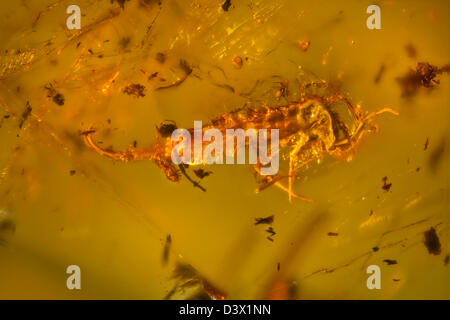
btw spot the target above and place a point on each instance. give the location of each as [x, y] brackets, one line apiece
[121, 3]
[379, 73]
[58, 99]
[185, 66]
[135, 89]
[25, 114]
[423, 76]
[166, 250]
[124, 42]
[386, 186]
[267, 220]
[166, 128]
[226, 5]
[427, 142]
[7, 225]
[202, 173]
[153, 75]
[390, 262]
[432, 241]
[411, 50]
[160, 57]
[271, 231]
[436, 156]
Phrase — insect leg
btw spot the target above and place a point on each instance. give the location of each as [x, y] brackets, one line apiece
[277, 183]
[292, 160]
[360, 123]
[129, 154]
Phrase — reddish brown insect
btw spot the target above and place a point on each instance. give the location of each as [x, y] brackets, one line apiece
[309, 129]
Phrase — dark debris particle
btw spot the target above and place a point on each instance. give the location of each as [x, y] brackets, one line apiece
[196, 184]
[202, 173]
[166, 250]
[271, 231]
[25, 114]
[333, 234]
[184, 65]
[134, 144]
[375, 249]
[153, 75]
[58, 99]
[267, 220]
[446, 260]
[390, 262]
[135, 89]
[411, 50]
[87, 132]
[436, 156]
[293, 291]
[120, 2]
[386, 186]
[427, 142]
[423, 76]
[6, 116]
[166, 128]
[160, 57]
[7, 225]
[270, 239]
[278, 266]
[226, 5]
[379, 74]
[72, 172]
[432, 241]
[225, 86]
[124, 42]
[396, 280]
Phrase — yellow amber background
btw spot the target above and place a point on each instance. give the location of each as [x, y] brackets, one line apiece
[111, 218]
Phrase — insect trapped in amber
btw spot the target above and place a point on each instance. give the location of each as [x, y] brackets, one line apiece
[306, 130]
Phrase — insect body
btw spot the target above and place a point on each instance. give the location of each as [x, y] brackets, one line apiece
[308, 130]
